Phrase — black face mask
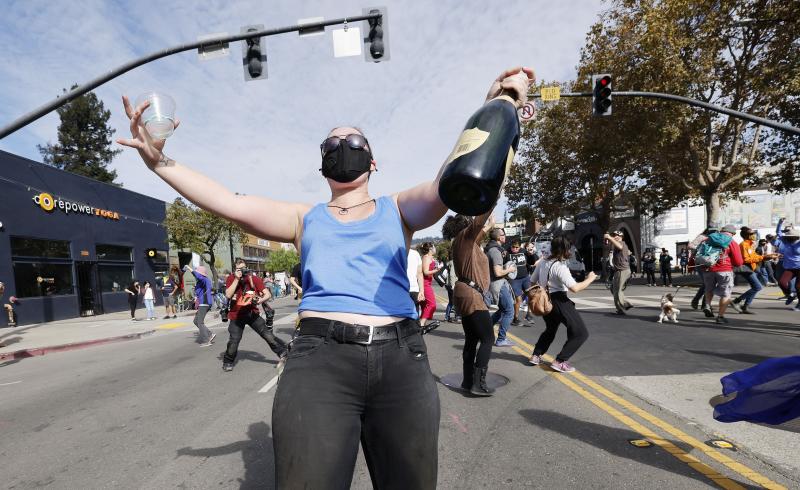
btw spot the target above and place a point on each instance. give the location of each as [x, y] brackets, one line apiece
[345, 164]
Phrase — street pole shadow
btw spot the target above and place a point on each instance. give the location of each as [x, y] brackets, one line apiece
[257, 455]
[613, 441]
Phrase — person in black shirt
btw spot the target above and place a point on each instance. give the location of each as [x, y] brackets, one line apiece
[649, 267]
[665, 262]
[522, 281]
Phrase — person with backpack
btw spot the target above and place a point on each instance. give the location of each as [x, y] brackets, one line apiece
[719, 253]
[554, 276]
[693, 246]
[788, 244]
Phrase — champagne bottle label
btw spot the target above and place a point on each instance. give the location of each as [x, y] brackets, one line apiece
[469, 141]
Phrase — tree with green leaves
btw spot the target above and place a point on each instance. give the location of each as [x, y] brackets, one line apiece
[652, 154]
[84, 140]
[199, 231]
[282, 260]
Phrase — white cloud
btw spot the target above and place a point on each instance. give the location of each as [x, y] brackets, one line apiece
[262, 137]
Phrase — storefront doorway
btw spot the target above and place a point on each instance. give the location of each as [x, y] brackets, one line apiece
[89, 296]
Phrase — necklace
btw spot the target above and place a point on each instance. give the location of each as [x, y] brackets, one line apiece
[345, 210]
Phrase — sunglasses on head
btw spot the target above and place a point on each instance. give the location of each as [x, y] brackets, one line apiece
[354, 141]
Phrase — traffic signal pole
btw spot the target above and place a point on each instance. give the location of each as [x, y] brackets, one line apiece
[695, 103]
[82, 89]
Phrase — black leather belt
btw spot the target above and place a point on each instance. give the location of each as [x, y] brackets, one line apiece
[472, 284]
[351, 333]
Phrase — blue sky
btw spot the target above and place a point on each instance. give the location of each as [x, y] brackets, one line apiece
[262, 137]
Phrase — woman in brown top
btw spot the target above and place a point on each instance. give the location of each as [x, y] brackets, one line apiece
[472, 270]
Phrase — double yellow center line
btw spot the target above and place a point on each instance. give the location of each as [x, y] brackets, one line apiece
[649, 434]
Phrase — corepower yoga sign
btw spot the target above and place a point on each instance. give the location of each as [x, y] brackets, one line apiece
[50, 204]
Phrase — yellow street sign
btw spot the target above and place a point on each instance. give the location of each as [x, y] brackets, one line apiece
[550, 93]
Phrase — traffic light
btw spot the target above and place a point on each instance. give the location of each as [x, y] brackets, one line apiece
[601, 95]
[150, 253]
[254, 55]
[376, 42]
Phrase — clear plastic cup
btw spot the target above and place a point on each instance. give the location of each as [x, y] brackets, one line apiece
[159, 117]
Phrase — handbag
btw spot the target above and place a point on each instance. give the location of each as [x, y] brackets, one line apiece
[539, 302]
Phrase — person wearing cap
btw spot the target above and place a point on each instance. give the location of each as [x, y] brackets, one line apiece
[204, 292]
[620, 262]
[752, 262]
[701, 291]
[788, 245]
[719, 277]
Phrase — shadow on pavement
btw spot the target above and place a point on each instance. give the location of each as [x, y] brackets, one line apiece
[738, 357]
[611, 440]
[9, 341]
[257, 455]
[248, 355]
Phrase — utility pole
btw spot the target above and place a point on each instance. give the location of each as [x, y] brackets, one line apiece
[205, 43]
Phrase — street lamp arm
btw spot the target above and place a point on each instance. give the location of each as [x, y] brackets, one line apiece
[695, 103]
[82, 89]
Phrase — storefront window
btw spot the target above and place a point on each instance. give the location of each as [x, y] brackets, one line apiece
[114, 252]
[114, 278]
[162, 257]
[39, 279]
[33, 247]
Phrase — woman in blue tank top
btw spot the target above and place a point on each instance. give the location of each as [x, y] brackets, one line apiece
[358, 369]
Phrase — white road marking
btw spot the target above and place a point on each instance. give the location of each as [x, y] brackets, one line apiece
[269, 385]
[11, 383]
[286, 320]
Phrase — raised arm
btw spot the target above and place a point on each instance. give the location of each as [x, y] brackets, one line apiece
[281, 223]
[420, 206]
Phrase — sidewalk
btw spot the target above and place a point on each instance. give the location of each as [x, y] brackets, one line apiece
[77, 333]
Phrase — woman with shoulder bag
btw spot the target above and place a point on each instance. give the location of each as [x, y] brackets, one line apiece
[554, 276]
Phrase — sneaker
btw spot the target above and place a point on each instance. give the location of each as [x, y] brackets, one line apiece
[535, 360]
[515, 322]
[695, 304]
[735, 307]
[210, 340]
[174, 316]
[628, 307]
[503, 343]
[722, 320]
[429, 327]
[562, 367]
[790, 299]
[796, 308]
[227, 366]
[166, 318]
[745, 310]
[708, 313]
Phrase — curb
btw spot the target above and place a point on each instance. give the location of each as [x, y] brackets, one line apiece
[40, 351]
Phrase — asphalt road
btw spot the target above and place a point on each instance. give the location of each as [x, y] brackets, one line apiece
[160, 413]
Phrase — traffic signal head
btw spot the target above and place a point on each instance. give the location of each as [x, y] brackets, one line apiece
[601, 95]
[376, 42]
[254, 55]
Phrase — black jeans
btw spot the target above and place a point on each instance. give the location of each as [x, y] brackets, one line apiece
[563, 312]
[666, 277]
[236, 329]
[332, 395]
[477, 328]
[651, 276]
[132, 306]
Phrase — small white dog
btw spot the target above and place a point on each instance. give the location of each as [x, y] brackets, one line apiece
[668, 310]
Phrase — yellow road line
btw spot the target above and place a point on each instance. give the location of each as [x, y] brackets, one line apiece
[170, 326]
[668, 446]
[674, 431]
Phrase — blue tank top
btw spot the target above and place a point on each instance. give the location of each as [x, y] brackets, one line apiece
[357, 267]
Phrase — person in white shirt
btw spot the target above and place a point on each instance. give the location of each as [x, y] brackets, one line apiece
[149, 301]
[554, 275]
[415, 279]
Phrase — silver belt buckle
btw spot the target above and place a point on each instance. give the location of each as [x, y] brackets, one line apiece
[371, 334]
